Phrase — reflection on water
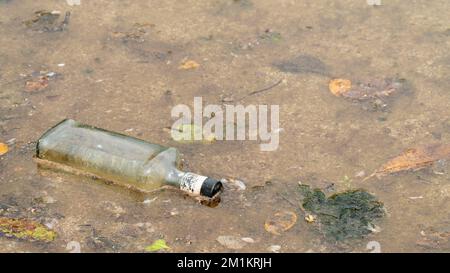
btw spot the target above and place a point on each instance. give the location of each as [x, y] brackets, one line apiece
[115, 65]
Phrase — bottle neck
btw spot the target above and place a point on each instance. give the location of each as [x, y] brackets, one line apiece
[193, 183]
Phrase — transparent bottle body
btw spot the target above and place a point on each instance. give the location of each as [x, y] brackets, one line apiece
[111, 156]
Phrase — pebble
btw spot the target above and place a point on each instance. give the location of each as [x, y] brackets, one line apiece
[234, 184]
[51, 224]
[149, 201]
[113, 208]
[147, 226]
[48, 199]
[360, 174]
[248, 240]
[73, 2]
[174, 212]
[274, 248]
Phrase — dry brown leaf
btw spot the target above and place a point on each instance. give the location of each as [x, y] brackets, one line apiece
[188, 65]
[280, 221]
[36, 84]
[414, 159]
[339, 86]
[3, 148]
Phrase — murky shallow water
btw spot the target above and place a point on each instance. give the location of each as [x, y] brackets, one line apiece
[121, 83]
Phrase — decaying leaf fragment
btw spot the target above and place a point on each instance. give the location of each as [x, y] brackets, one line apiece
[280, 222]
[435, 239]
[364, 89]
[3, 148]
[47, 21]
[25, 229]
[310, 218]
[37, 84]
[339, 86]
[137, 33]
[190, 64]
[414, 159]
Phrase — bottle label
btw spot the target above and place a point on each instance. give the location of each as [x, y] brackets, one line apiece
[192, 183]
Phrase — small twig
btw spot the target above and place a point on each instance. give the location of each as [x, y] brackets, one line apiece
[370, 176]
[299, 206]
[260, 90]
[286, 199]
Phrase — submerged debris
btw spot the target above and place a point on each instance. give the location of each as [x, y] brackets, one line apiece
[189, 64]
[37, 84]
[344, 215]
[414, 159]
[374, 91]
[3, 148]
[280, 222]
[270, 35]
[303, 64]
[25, 229]
[435, 239]
[339, 86]
[136, 33]
[47, 21]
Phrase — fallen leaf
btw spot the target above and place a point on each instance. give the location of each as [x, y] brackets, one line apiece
[188, 65]
[157, 245]
[414, 159]
[3, 148]
[339, 86]
[280, 222]
[25, 229]
[310, 218]
[37, 84]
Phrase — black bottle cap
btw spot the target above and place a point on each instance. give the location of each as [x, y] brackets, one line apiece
[210, 187]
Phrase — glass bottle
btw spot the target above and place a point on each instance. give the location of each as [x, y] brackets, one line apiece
[123, 159]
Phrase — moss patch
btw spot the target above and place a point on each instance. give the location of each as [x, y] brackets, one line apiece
[344, 215]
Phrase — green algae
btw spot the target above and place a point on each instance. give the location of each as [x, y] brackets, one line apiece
[345, 215]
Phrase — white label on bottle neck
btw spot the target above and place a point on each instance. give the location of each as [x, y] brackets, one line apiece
[192, 183]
